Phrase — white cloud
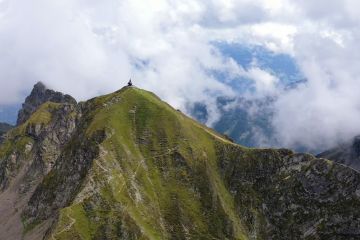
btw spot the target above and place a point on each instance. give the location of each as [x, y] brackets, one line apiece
[86, 48]
[265, 83]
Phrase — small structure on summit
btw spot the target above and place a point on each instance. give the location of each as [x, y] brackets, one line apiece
[130, 83]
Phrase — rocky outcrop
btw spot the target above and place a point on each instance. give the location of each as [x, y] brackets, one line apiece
[39, 95]
[347, 153]
[37, 144]
[63, 182]
[28, 153]
[294, 196]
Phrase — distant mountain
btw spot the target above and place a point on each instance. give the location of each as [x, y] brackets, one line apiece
[8, 113]
[247, 122]
[4, 128]
[346, 153]
[247, 118]
[128, 166]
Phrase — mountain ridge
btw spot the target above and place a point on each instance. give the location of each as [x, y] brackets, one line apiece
[38, 96]
[128, 166]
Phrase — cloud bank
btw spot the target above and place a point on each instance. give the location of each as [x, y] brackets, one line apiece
[87, 48]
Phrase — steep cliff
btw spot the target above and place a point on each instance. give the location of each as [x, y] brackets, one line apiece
[128, 166]
[39, 95]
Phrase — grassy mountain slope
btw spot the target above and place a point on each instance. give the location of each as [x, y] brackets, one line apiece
[129, 166]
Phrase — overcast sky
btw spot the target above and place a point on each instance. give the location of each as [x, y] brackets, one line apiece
[91, 47]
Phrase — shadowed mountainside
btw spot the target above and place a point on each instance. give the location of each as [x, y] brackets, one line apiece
[346, 153]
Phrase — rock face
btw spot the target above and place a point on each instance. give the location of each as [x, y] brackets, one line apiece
[128, 166]
[39, 95]
[348, 153]
[28, 154]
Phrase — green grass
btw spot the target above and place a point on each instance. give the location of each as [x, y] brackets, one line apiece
[140, 174]
[17, 138]
[42, 116]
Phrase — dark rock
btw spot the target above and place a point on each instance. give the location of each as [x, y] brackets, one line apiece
[39, 95]
[47, 143]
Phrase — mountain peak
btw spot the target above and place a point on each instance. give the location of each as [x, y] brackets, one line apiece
[40, 86]
[120, 164]
[38, 96]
